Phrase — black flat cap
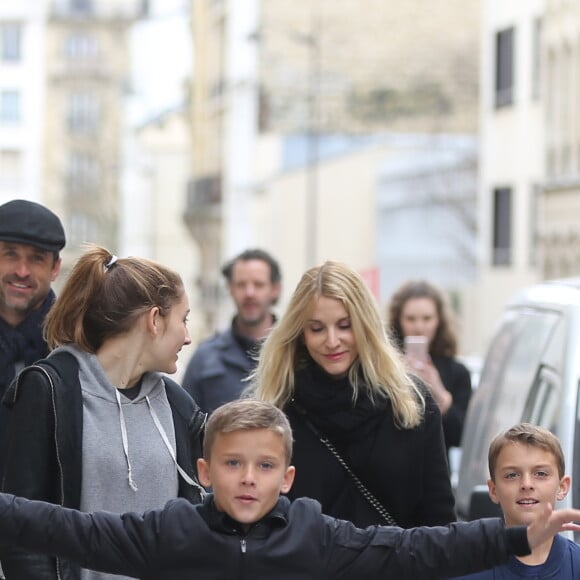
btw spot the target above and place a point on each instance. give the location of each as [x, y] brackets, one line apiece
[27, 222]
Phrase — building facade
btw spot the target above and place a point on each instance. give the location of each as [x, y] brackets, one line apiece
[512, 155]
[558, 225]
[22, 71]
[87, 71]
[266, 70]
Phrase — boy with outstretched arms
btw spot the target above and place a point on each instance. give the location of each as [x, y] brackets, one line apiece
[246, 530]
[527, 473]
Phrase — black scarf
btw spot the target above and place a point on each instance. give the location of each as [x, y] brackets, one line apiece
[328, 402]
[23, 342]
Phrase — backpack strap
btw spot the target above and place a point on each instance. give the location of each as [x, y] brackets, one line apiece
[62, 367]
[63, 364]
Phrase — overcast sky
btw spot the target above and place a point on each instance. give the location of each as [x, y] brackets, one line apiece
[161, 51]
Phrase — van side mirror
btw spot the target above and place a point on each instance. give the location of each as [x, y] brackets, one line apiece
[481, 506]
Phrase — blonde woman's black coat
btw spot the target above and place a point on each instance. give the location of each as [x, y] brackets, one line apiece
[406, 469]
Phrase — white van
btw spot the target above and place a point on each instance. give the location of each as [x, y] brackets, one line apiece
[531, 373]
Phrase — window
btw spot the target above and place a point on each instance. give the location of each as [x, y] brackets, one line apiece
[9, 107]
[10, 169]
[83, 113]
[566, 110]
[551, 107]
[10, 37]
[504, 68]
[83, 174]
[502, 226]
[79, 46]
[542, 403]
[535, 196]
[82, 228]
[537, 59]
[81, 6]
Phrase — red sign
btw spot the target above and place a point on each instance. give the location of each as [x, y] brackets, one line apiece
[371, 277]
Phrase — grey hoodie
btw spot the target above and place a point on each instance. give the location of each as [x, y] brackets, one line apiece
[127, 465]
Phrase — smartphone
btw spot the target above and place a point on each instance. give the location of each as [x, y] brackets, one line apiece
[417, 347]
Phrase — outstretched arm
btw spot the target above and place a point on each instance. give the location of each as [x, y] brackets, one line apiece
[436, 552]
[129, 544]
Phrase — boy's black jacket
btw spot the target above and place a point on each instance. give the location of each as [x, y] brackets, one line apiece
[294, 541]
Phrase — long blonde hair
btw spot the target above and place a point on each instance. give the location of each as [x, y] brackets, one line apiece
[378, 367]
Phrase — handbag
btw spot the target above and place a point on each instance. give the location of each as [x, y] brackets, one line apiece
[362, 488]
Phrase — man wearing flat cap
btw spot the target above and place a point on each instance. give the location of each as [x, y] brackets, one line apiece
[31, 237]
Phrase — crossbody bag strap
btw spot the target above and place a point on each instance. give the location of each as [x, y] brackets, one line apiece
[365, 492]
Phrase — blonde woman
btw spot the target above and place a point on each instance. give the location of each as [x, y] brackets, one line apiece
[329, 364]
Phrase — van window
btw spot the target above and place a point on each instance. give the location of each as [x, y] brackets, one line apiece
[511, 367]
[542, 406]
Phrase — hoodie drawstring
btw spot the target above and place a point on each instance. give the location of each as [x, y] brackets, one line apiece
[180, 470]
[163, 434]
[132, 483]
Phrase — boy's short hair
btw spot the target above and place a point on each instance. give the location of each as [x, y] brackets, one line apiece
[527, 434]
[244, 415]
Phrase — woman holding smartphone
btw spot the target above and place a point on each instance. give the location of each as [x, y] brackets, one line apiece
[357, 417]
[421, 326]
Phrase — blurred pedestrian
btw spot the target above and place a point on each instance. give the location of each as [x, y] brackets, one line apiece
[419, 308]
[368, 438]
[96, 425]
[217, 372]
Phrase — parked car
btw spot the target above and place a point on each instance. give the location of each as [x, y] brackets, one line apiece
[530, 373]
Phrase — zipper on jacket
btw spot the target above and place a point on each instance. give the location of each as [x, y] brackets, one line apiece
[243, 538]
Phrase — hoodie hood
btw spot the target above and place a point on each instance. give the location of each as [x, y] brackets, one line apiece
[94, 380]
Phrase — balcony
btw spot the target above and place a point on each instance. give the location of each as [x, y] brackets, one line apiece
[71, 71]
[204, 196]
[203, 208]
[79, 10]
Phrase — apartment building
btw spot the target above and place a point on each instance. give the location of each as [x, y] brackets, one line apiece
[530, 155]
[21, 99]
[87, 68]
[512, 154]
